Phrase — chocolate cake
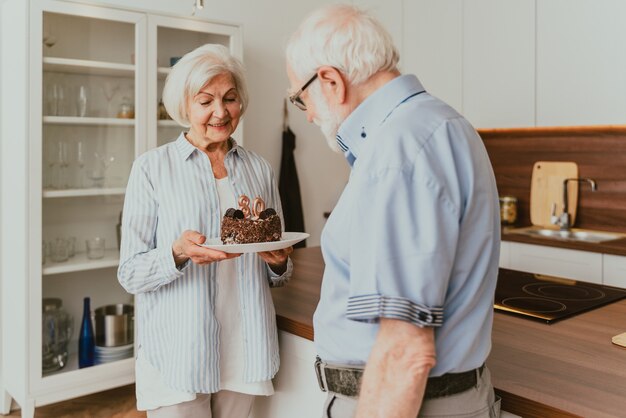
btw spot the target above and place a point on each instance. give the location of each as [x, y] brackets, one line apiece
[245, 226]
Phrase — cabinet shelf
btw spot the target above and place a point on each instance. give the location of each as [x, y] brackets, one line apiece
[80, 382]
[80, 262]
[76, 120]
[168, 124]
[162, 72]
[72, 366]
[76, 66]
[112, 191]
[94, 47]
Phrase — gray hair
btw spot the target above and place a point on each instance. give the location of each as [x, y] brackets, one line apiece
[345, 38]
[195, 70]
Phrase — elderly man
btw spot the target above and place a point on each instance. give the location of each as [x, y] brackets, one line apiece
[403, 326]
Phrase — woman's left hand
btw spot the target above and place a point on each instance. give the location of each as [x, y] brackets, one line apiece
[277, 260]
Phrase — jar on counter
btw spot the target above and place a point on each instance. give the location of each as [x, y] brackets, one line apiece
[508, 210]
[57, 327]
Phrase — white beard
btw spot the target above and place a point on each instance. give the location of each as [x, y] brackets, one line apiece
[327, 120]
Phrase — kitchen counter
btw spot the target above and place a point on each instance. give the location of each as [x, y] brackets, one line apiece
[614, 247]
[570, 368]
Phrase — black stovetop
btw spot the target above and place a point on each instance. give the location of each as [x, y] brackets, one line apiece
[547, 298]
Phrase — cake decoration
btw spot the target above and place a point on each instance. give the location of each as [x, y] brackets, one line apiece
[250, 224]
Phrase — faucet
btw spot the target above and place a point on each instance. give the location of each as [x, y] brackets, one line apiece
[563, 220]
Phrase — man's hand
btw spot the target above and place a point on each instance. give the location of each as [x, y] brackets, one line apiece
[187, 246]
[397, 370]
[277, 260]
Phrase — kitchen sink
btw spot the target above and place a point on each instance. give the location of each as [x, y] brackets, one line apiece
[574, 234]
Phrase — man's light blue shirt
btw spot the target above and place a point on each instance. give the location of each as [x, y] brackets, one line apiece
[415, 234]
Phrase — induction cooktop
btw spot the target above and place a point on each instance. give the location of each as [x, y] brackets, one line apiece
[549, 299]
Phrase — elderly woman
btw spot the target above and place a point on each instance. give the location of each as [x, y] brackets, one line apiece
[206, 330]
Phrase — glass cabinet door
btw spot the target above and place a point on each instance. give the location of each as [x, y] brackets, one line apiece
[89, 139]
[169, 39]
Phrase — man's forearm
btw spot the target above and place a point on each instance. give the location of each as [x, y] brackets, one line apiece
[397, 371]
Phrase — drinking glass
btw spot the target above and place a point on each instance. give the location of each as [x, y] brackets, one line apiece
[60, 250]
[95, 248]
[71, 246]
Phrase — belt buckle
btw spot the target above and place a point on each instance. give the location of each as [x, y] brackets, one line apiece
[318, 373]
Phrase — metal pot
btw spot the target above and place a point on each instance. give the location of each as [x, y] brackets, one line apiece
[114, 325]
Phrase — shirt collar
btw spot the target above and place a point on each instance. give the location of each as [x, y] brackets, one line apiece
[186, 148]
[373, 111]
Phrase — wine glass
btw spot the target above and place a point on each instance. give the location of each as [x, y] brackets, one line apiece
[50, 176]
[109, 89]
[55, 98]
[81, 101]
[80, 165]
[63, 163]
[97, 173]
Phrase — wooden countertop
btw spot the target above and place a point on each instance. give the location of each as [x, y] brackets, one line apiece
[566, 369]
[614, 247]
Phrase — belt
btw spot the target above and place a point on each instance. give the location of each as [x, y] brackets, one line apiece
[346, 380]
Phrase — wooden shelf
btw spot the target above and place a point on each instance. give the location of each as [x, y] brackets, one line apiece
[112, 191]
[76, 120]
[76, 66]
[80, 262]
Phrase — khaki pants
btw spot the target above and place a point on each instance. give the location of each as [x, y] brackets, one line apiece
[477, 402]
[223, 404]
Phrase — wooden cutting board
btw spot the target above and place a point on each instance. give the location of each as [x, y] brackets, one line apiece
[546, 188]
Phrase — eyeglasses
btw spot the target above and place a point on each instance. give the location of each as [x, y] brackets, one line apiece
[295, 98]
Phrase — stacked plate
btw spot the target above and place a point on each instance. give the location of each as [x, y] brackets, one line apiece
[109, 354]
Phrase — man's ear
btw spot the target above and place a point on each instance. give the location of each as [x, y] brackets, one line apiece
[334, 85]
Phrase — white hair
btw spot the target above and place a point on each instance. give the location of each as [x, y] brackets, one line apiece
[194, 71]
[343, 37]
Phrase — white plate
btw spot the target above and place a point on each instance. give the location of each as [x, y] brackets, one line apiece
[287, 240]
[115, 349]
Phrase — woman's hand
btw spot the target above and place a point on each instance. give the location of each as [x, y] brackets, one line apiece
[187, 246]
[277, 260]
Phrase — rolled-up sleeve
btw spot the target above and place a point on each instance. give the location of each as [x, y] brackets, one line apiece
[404, 232]
[144, 266]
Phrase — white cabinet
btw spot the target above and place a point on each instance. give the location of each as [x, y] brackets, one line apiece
[614, 270]
[478, 57]
[511, 63]
[82, 106]
[297, 393]
[433, 47]
[499, 63]
[559, 262]
[505, 255]
[581, 62]
[586, 266]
